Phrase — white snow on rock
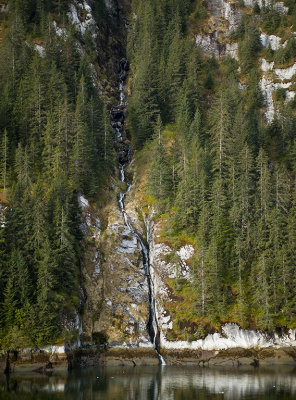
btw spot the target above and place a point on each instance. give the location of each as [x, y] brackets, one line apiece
[232, 14]
[210, 43]
[281, 8]
[87, 221]
[267, 88]
[2, 216]
[186, 252]
[266, 66]
[233, 337]
[73, 16]
[80, 14]
[278, 6]
[285, 73]
[160, 250]
[83, 202]
[290, 95]
[40, 49]
[108, 302]
[53, 349]
[61, 32]
[272, 40]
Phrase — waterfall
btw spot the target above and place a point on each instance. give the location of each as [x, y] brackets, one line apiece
[123, 155]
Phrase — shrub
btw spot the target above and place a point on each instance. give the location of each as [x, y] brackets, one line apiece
[100, 337]
[200, 11]
[280, 94]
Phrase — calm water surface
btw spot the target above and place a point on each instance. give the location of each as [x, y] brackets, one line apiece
[154, 383]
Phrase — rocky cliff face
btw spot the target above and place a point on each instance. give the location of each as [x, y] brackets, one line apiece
[115, 290]
[214, 38]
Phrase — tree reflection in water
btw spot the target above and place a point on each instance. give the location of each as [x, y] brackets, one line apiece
[154, 383]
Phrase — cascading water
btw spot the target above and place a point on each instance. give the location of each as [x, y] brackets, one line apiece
[122, 147]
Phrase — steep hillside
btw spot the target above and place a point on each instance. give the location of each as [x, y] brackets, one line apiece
[148, 170]
[58, 77]
[217, 179]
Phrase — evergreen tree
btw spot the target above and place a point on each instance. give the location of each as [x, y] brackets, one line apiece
[4, 160]
[160, 181]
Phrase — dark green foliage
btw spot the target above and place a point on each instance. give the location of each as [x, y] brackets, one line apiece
[164, 63]
[286, 54]
[249, 47]
[270, 18]
[55, 141]
[256, 8]
[200, 11]
[160, 177]
[280, 94]
[225, 178]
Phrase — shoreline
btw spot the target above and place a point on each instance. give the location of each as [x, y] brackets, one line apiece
[46, 363]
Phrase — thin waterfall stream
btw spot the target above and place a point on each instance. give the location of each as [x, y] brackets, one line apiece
[122, 147]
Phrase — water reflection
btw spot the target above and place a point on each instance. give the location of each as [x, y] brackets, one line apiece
[153, 383]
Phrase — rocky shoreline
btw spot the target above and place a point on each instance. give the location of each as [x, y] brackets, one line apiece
[39, 361]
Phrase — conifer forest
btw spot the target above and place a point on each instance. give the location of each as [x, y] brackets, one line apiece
[195, 100]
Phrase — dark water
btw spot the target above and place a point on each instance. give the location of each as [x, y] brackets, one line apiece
[154, 383]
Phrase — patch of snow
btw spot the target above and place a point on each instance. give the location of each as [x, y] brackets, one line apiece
[281, 8]
[73, 16]
[60, 32]
[267, 88]
[146, 344]
[53, 349]
[233, 337]
[108, 302]
[278, 6]
[2, 216]
[266, 66]
[186, 252]
[82, 23]
[40, 49]
[83, 202]
[272, 40]
[95, 256]
[285, 73]
[290, 95]
[232, 14]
